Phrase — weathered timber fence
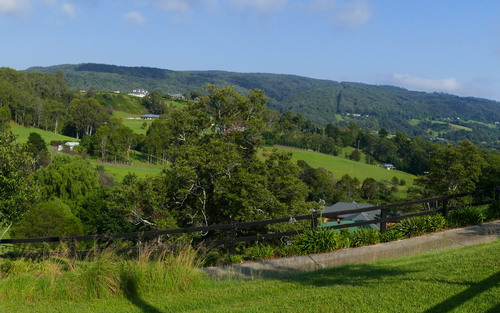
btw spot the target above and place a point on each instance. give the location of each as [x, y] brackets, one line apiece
[232, 239]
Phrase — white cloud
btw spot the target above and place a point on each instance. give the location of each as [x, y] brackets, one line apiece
[69, 9]
[260, 6]
[179, 6]
[15, 7]
[135, 18]
[451, 85]
[353, 14]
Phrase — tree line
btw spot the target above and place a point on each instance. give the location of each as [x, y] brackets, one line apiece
[213, 172]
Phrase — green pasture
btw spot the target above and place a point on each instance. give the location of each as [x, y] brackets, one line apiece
[136, 124]
[461, 280]
[122, 102]
[340, 166]
[23, 132]
[119, 171]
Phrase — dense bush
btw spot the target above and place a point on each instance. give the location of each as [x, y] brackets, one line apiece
[51, 218]
[392, 234]
[413, 226]
[317, 240]
[365, 236]
[466, 216]
[417, 225]
[493, 211]
[260, 252]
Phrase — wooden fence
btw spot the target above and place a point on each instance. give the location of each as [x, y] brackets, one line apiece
[441, 205]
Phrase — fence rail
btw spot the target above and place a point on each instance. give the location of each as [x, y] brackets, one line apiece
[232, 238]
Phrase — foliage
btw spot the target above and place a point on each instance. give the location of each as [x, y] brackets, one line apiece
[493, 211]
[260, 252]
[48, 219]
[412, 226]
[100, 215]
[67, 177]
[365, 236]
[453, 170]
[317, 241]
[466, 216]
[417, 225]
[435, 223]
[18, 190]
[391, 234]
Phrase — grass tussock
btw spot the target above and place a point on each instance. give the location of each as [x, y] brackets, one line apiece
[102, 274]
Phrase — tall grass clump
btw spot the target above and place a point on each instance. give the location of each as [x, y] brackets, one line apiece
[100, 275]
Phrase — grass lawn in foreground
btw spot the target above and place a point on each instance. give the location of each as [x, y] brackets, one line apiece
[460, 280]
[340, 166]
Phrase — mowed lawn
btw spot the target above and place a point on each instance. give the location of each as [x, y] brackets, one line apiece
[461, 280]
[341, 166]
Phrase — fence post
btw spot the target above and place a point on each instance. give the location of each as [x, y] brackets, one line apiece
[314, 220]
[72, 246]
[232, 238]
[383, 216]
[445, 207]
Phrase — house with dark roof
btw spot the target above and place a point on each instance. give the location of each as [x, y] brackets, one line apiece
[387, 166]
[352, 217]
[149, 116]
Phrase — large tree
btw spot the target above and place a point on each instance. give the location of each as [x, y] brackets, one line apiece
[453, 169]
[18, 190]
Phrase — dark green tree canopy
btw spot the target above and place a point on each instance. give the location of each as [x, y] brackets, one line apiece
[18, 189]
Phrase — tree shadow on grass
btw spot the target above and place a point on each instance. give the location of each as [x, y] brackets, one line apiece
[469, 293]
[132, 294]
[349, 275]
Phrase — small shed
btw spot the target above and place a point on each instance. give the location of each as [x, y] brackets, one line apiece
[387, 166]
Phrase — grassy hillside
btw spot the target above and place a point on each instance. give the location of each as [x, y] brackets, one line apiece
[141, 169]
[23, 132]
[461, 280]
[340, 166]
[122, 102]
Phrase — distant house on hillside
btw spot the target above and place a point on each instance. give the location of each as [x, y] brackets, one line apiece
[387, 166]
[69, 145]
[149, 116]
[352, 217]
[141, 93]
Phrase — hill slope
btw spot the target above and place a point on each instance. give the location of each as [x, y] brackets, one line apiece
[318, 100]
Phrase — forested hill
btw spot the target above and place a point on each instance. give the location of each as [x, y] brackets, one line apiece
[321, 101]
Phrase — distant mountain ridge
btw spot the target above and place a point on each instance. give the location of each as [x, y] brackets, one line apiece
[321, 101]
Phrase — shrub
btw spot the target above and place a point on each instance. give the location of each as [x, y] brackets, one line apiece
[260, 252]
[493, 211]
[434, 223]
[466, 216]
[317, 240]
[365, 236]
[392, 234]
[412, 226]
[233, 259]
[288, 250]
[343, 239]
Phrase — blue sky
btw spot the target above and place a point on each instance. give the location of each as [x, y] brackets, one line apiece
[450, 46]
